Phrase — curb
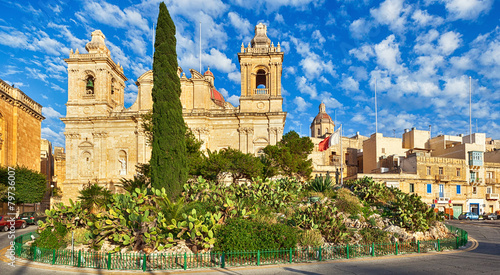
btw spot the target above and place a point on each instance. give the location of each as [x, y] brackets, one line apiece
[22, 262]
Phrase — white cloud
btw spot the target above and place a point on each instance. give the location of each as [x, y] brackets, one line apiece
[218, 60]
[330, 101]
[279, 18]
[449, 42]
[423, 18]
[388, 55]
[306, 87]
[318, 37]
[235, 76]
[15, 39]
[49, 112]
[242, 25]
[224, 92]
[364, 53]
[467, 9]
[57, 139]
[112, 15]
[391, 13]
[234, 99]
[359, 28]
[302, 105]
[349, 84]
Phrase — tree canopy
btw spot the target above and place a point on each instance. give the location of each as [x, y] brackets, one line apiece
[30, 185]
[168, 157]
[290, 155]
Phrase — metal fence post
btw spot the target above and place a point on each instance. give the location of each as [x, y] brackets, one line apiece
[144, 263]
[79, 258]
[258, 257]
[320, 257]
[373, 249]
[290, 255]
[418, 246]
[347, 250]
[109, 261]
[223, 260]
[185, 260]
[439, 246]
[457, 243]
[53, 256]
[397, 248]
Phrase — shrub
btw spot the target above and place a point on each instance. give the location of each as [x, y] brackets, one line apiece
[374, 235]
[52, 239]
[348, 203]
[80, 236]
[246, 235]
[311, 238]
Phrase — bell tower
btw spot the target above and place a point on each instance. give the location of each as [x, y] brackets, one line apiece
[95, 82]
[261, 67]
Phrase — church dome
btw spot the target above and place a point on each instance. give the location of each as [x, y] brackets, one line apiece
[208, 72]
[322, 116]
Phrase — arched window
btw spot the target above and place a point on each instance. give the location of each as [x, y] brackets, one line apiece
[260, 79]
[319, 132]
[89, 85]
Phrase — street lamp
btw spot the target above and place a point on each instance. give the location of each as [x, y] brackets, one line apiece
[52, 190]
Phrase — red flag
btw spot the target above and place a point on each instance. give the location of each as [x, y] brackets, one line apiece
[324, 144]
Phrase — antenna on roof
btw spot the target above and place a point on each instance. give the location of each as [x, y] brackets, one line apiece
[200, 47]
[376, 116]
[470, 106]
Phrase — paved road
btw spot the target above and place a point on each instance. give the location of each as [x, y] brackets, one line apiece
[481, 256]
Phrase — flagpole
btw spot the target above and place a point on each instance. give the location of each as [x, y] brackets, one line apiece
[341, 158]
[376, 117]
[470, 109]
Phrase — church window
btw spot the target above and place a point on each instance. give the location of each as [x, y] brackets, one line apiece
[319, 132]
[113, 84]
[89, 86]
[261, 78]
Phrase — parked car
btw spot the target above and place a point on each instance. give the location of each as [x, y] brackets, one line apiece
[490, 216]
[33, 217]
[468, 216]
[5, 223]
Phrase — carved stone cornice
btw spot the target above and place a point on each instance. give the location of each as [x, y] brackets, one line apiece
[72, 135]
[245, 130]
[101, 134]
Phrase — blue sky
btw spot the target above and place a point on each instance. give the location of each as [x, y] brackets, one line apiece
[421, 54]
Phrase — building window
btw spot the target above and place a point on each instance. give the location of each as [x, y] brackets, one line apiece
[488, 190]
[89, 86]
[459, 189]
[319, 132]
[440, 170]
[383, 150]
[472, 176]
[412, 188]
[489, 175]
[474, 190]
[458, 172]
[428, 170]
[429, 188]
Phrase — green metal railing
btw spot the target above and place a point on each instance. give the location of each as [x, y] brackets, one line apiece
[168, 261]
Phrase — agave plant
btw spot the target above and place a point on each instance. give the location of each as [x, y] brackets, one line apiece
[320, 184]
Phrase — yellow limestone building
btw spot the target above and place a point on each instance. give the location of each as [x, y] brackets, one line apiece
[105, 141]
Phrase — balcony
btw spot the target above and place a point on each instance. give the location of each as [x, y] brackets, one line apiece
[442, 197]
[490, 181]
[261, 91]
[442, 178]
[492, 196]
[476, 181]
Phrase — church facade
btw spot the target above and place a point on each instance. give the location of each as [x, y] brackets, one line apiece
[105, 140]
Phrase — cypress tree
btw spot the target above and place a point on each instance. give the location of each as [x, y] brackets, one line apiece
[168, 157]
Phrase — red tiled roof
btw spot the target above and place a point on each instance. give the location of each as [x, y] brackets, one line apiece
[208, 72]
[322, 116]
[217, 97]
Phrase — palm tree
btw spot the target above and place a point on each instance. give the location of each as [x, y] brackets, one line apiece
[94, 197]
